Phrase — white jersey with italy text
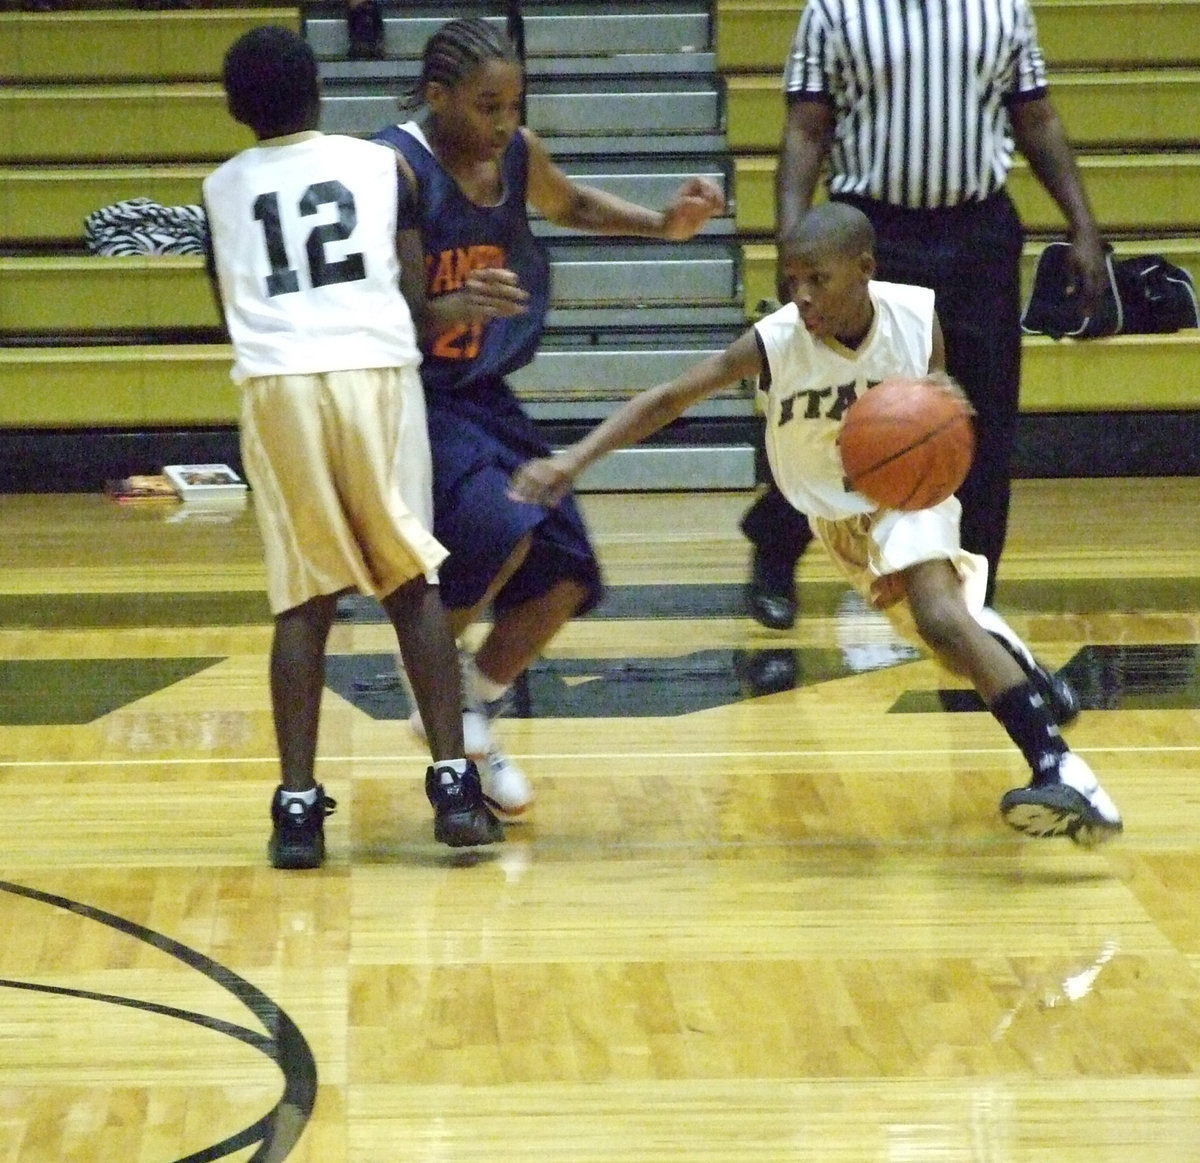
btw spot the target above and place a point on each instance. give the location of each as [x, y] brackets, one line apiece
[813, 381]
[304, 243]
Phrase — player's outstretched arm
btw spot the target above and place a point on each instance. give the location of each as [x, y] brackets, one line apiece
[566, 202]
[547, 480]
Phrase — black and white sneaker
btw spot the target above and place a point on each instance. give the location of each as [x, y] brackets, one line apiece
[298, 833]
[1056, 692]
[461, 818]
[506, 787]
[1072, 804]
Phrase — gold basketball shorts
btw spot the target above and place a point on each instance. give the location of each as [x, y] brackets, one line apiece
[340, 475]
[870, 551]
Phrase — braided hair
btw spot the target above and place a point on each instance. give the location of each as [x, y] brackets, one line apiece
[457, 49]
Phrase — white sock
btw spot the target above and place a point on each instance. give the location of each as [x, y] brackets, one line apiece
[447, 769]
[488, 689]
[305, 797]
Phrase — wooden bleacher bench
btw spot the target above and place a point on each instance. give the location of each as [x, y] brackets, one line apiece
[1132, 193]
[170, 385]
[110, 44]
[96, 123]
[755, 35]
[85, 294]
[1100, 108]
[43, 207]
[758, 262]
[148, 386]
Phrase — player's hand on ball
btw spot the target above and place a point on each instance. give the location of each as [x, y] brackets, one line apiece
[541, 482]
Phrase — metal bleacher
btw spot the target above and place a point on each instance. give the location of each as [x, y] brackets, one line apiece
[627, 99]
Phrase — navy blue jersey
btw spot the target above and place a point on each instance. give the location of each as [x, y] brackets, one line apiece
[459, 236]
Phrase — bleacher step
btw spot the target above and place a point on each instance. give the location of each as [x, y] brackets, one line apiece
[1131, 193]
[1100, 109]
[563, 31]
[45, 205]
[181, 384]
[658, 107]
[617, 288]
[755, 35]
[126, 45]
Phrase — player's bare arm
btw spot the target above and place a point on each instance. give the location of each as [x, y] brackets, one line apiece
[412, 280]
[493, 293]
[547, 480]
[214, 284]
[487, 294]
[566, 202]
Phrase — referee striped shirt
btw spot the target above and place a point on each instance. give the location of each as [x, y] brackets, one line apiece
[919, 90]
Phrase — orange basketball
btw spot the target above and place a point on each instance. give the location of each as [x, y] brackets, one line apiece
[907, 443]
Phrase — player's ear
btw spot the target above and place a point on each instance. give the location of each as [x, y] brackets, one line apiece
[435, 94]
[866, 263]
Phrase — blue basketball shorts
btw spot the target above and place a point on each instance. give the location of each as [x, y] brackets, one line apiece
[477, 445]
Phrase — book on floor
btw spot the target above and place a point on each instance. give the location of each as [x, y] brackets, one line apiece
[205, 482]
[141, 488]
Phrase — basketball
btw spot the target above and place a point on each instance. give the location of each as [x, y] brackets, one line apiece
[907, 443]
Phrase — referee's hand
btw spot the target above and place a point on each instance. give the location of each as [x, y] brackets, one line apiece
[1089, 271]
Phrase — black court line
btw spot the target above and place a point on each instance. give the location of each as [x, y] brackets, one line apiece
[821, 598]
[278, 1131]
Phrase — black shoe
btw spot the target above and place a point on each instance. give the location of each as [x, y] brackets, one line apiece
[298, 837]
[1071, 803]
[771, 594]
[767, 672]
[365, 24]
[461, 818]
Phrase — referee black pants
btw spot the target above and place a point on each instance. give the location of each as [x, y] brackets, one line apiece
[970, 256]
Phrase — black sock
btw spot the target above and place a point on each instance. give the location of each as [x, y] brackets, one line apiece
[1023, 713]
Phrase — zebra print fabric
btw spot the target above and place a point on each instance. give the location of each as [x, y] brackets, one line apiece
[142, 226]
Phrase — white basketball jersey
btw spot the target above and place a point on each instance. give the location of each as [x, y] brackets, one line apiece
[304, 237]
[814, 381]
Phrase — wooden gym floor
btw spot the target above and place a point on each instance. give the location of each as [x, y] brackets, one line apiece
[762, 909]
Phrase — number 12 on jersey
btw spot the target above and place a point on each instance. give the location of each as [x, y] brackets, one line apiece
[284, 278]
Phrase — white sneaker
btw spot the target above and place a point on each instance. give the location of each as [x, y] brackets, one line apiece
[477, 733]
[505, 786]
[1073, 805]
